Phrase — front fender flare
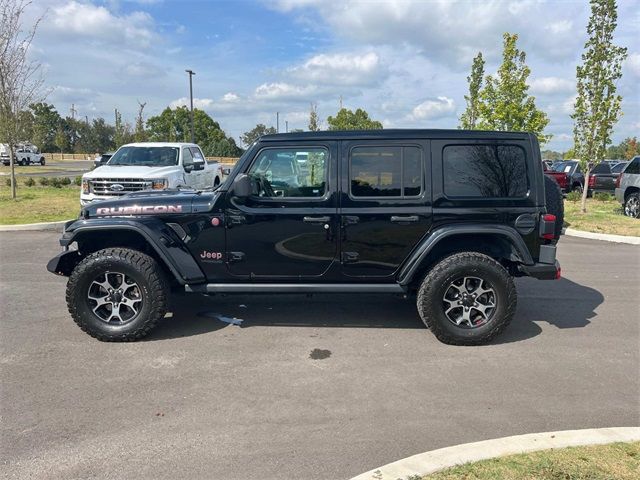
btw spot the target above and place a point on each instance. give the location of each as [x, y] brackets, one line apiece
[412, 264]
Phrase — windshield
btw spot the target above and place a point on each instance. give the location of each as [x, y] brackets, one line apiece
[561, 166]
[146, 156]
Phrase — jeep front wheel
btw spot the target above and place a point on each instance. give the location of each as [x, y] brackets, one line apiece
[117, 294]
[467, 299]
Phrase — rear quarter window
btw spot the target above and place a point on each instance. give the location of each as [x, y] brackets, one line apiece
[485, 171]
[633, 167]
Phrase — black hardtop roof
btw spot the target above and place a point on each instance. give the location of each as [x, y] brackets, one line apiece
[390, 134]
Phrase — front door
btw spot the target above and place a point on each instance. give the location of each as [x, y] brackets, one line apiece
[385, 204]
[287, 229]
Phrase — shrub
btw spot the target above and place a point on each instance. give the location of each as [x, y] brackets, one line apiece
[65, 181]
[78, 180]
[44, 181]
[574, 196]
[55, 182]
[7, 182]
[602, 197]
[30, 182]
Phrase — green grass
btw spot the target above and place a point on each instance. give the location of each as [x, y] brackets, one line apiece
[38, 204]
[619, 461]
[20, 171]
[601, 217]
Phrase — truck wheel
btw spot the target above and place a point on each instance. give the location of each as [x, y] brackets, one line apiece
[216, 182]
[24, 162]
[117, 294]
[632, 205]
[42, 162]
[467, 299]
[554, 202]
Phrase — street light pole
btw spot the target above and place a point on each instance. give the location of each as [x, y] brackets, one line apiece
[191, 74]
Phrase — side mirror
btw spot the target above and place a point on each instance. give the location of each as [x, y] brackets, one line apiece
[198, 165]
[188, 167]
[241, 186]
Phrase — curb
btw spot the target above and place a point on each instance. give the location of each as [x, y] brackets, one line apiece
[33, 226]
[435, 460]
[606, 237]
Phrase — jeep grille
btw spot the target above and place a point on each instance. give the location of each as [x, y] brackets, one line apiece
[102, 186]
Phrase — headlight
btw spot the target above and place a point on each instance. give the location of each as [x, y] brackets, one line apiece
[85, 186]
[159, 184]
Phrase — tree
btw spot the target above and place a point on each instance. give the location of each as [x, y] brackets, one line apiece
[632, 148]
[61, 140]
[20, 78]
[313, 118]
[345, 119]
[140, 135]
[255, 133]
[551, 155]
[597, 105]
[174, 125]
[627, 149]
[469, 118]
[122, 132]
[46, 121]
[504, 101]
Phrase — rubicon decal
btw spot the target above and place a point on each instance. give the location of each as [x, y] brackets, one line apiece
[139, 210]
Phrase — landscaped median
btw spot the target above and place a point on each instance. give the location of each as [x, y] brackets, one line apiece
[38, 203]
[603, 216]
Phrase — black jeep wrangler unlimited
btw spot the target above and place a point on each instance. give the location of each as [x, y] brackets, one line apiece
[447, 216]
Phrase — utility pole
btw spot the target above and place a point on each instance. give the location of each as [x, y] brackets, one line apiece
[286, 124]
[277, 122]
[191, 74]
[73, 111]
[340, 102]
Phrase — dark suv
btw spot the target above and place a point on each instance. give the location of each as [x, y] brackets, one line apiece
[445, 216]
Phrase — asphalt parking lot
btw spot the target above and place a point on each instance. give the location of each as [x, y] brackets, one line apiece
[304, 388]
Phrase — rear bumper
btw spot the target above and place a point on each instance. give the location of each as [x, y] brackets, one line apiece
[542, 271]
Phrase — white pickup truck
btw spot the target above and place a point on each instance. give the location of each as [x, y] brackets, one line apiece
[23, 155]
[148, 165]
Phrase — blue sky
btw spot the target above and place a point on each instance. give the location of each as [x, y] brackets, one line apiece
[404, 62]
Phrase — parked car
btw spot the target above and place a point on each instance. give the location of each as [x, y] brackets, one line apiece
[447, 217]
[628, 188]
[156, 166]
[102, 159]
[24, 154]
[568, 175]
[601, 180]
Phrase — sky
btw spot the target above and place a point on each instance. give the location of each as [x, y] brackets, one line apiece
[404, 62]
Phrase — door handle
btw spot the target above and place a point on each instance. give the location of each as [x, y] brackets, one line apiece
[409, 219]
[316, 219]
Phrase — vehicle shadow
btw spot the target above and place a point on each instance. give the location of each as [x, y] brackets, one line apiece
[562, 303]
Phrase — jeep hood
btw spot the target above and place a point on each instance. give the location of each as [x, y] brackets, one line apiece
[126, 171]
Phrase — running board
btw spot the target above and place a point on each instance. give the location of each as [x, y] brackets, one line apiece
[295, 288]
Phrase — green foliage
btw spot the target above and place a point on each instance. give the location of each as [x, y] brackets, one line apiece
[44, 181]
[256, 132]
[346, 119]
[29, 182]
[504, 101]
[174, 125]
[569, 154]
[46, 121]
[469, 118]
[313, 119]
[65, 181]
[602, 197]
[56, 182]
[574, 196]
[7, 182]
[78, 180]
[627, 149]
[551, 155]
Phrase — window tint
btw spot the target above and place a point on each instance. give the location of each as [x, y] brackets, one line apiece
[197, 154]
[484, 171]
[276, 172]
[618, 167]
[602, 168]
[633, 167]
[386, 171]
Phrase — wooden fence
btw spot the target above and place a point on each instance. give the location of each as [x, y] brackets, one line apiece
[58, 157]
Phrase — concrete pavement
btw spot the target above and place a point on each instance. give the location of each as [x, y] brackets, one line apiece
[320, 388]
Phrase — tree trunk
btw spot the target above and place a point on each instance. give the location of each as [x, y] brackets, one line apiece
[12, 162]
[585, 190]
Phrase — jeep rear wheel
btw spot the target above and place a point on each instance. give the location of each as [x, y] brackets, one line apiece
[117, 294]
[467, 299]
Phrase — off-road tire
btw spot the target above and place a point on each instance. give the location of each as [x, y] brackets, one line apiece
[24, 162]
[432, 290]
[631, 200]
[554, 202]
[147, 274]
[42, 161]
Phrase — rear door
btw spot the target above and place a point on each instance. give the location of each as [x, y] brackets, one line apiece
[385, 204]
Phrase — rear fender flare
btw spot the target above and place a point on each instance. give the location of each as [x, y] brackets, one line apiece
[422, 251]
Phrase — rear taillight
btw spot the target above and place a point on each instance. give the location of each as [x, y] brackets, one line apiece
[548, 226]
[618, 180]
[558, 273]
[592, 181]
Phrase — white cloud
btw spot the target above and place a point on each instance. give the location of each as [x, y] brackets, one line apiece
[433, 109]
[230, 97]
[633, 64]
[340, 69]
[97, 23]
[561, 26]
[201, 103]
[282, 90]
[550, 85]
